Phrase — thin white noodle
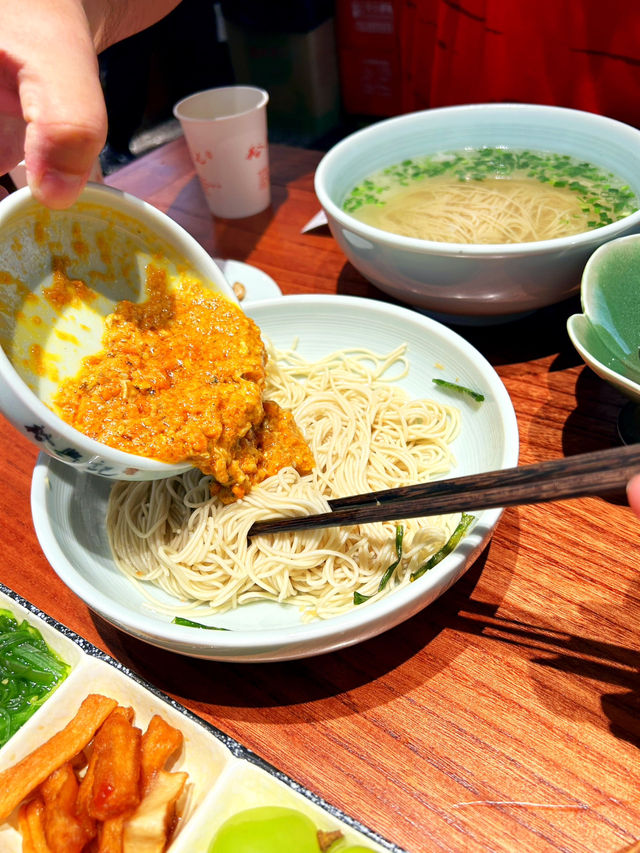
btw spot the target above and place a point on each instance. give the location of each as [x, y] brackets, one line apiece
[491, 211]
[365, 433]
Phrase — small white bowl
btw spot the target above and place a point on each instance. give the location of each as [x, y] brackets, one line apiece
[473, 283]
[69, 508]
[108, 237]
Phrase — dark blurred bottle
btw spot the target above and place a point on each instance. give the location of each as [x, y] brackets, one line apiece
[289, 49]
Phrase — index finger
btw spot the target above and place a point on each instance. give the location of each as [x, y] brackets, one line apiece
[61, 100]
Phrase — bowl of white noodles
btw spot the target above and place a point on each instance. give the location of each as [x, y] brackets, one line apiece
[384, 396]
[480, 213]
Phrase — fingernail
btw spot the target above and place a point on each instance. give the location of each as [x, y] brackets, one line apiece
[57, 189]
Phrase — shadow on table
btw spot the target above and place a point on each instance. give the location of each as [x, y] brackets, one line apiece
[592, 425]
[225, 238]
[329, 686]
[592, 661]
[241, 690]
[539, 334]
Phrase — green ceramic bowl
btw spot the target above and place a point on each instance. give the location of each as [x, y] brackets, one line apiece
[607, 334]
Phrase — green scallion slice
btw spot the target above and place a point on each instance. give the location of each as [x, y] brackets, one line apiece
[460, 389]
[454, 540]
[358, 598]
[189, 623]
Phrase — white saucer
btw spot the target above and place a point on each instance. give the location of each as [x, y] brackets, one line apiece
[257, 284]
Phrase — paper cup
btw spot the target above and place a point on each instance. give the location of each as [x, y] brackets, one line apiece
[226, 132]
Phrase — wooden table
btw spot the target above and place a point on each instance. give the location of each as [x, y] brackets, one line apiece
[505, 716]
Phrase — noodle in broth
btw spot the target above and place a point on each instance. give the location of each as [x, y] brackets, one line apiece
[491, 211]
[490, 195]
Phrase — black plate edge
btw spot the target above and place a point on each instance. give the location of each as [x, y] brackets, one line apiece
[234, 746]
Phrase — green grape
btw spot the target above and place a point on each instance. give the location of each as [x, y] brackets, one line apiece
[267, 829]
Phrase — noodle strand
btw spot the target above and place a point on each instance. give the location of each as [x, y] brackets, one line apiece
[365, 434]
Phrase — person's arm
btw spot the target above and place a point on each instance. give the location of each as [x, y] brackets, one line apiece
[113, 20]
[52, 111]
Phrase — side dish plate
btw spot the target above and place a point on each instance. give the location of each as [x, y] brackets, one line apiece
[224, 776]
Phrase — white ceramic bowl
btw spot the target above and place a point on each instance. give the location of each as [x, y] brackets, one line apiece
[69, 508]
[108, 238]
[474, 283]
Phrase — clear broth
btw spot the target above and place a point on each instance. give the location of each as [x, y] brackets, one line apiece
[491, 195]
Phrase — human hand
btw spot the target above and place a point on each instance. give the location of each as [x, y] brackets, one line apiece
[52, 110]
[633, 494]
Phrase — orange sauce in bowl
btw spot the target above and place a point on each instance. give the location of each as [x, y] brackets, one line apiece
[181, 377]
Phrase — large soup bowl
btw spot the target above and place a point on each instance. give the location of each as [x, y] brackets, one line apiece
[475, 283]
[106, 239]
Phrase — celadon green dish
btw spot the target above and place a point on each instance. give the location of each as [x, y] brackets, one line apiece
[607, 334]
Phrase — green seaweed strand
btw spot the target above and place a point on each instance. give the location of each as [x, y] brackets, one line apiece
[460, 389]
[29, 672]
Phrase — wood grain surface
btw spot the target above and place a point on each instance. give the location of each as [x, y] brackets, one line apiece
[505, 716]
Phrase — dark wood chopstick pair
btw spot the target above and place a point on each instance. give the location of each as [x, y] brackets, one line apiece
[585, 474]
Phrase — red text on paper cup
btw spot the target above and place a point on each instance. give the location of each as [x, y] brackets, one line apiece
[255, 151]
[263, 178]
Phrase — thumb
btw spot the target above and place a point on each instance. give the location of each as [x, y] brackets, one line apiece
[62, 104]
[633, 494]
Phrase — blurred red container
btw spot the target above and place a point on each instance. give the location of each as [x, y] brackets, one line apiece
[385, 50]
[397, 56]
[369, 52]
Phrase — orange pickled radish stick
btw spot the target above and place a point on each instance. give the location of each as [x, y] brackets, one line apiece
[110, 835]
[64, 831]
[32, 817]
[24, 829]
[116, 772]
[159, 742]
[20, 780]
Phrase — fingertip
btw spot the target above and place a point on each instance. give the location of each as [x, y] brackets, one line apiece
[633, 493]
[59, 158]
[55, 189]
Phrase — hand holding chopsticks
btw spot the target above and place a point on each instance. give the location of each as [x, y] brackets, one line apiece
[559, 479]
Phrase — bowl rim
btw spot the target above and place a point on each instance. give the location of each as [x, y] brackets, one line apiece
[587, 301]
[337, 632]
[611, 247]
[608, 374]
[202, 94]
[152, 218]
[473, 250]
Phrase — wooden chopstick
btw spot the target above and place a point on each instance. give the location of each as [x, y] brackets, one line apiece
[559, 479]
